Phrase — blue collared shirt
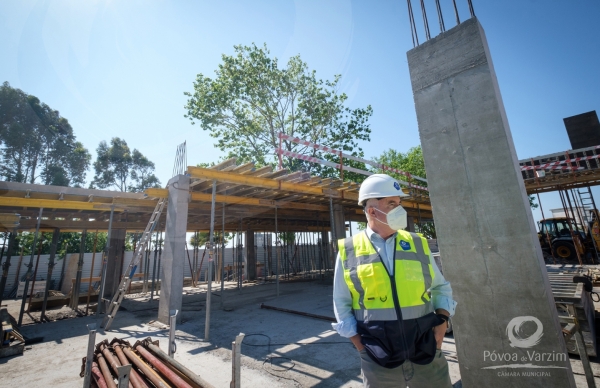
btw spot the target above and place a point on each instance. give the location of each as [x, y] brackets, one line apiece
[441, 292]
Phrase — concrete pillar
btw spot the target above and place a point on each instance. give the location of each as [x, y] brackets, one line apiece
[483, 220]
[114, 262]
[339, 221]
[174, 257]
[250, 256]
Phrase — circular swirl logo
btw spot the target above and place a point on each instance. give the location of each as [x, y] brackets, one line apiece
[513, 331]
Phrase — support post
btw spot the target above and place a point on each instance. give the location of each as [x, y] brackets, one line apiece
[87, 377]
[172, 323]
[29, 266]
[250, 256]
[485, 228]
[210, 262]
[100, 307]
[223, 257]
[114, 265]
[77, 285]
[276, 254]
[6, 264]
[51, 264]
[236, 361]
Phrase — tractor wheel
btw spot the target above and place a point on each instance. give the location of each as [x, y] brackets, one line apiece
[564, 250]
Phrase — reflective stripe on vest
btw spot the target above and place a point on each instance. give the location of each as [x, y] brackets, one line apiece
[369, 281]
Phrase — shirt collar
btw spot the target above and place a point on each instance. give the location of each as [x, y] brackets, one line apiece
[372, 235]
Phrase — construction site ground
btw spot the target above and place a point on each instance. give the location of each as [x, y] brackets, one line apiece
[280, 349]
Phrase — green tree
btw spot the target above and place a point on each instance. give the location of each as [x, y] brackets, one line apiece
[200, 239]
[37, 144]
[118, 168]
[252, 99]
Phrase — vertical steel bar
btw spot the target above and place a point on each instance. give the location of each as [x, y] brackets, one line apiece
[471, 10]
[593, 207]
[172, 323]
[16, 282]
[158, 276]
[77, 286]
[276, 254]
[223, 256]
[547, 233]
[29, 266]
[87, 377]
[440, 16]
[154, 266]
[425, 22]
[333, 231]
[413, 28]
[210, 261]
[236, 361]
[37, 263]
[456, 12]
[6, 264]
[575, 233]
[51, 264]
[100, 305]
[87, 307]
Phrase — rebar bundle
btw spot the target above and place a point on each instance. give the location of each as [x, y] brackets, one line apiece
[150, 366]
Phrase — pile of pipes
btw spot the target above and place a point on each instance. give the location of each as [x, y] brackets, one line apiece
[150, 367]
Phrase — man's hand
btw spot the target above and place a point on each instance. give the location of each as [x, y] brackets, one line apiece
[356, 341]
[440, 331]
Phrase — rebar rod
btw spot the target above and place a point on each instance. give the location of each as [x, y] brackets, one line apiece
[440, 16]
[425, 22]
[456, 12]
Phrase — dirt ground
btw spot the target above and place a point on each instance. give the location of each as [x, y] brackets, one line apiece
[279, 350]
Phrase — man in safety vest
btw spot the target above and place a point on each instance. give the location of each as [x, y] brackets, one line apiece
[389, 296]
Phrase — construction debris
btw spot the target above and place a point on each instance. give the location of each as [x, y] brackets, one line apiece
[150, 366]
[13, 342]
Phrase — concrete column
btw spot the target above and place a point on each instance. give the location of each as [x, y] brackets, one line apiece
[114, 262]
[174, 257]
[250, 255]
[483, 220]
[340, 221]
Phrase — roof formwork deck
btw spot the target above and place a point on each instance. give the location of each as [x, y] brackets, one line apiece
[248, 196]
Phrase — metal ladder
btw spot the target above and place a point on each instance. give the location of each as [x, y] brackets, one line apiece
[587, 202]
[115, 303]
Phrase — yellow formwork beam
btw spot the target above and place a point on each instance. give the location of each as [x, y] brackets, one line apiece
[53, 204]
[267, 183]
[233, 200]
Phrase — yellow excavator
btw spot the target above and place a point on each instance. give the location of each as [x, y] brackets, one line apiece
[563, 238]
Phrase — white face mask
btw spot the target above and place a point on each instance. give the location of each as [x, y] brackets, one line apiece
[396, 218]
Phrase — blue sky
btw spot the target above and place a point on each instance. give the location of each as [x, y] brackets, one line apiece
[119, 68]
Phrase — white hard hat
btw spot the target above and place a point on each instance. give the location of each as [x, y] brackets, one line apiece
[379, 186]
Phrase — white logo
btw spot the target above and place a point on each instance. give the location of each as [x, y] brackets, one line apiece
[513, 330]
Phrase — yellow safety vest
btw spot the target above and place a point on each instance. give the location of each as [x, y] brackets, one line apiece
[375, 293]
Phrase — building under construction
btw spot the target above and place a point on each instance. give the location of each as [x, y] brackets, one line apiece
[262, 300]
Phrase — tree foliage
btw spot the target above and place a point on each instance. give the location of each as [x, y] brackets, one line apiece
[252, 99]
[199, 240]
[116, 167]
[37, 144]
